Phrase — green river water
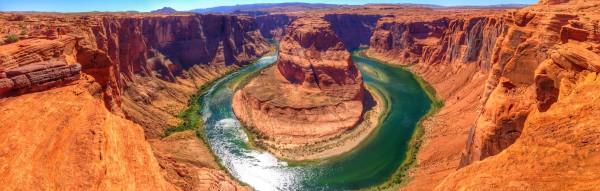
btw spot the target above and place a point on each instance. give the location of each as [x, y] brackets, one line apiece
[370, 164]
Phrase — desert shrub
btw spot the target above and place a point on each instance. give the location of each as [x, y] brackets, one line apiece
[12, 38]
[24, 32]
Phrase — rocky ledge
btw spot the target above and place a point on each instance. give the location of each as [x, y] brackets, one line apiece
[314, 93]
[37, 76]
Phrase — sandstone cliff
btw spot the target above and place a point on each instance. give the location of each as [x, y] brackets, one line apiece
[273, 25]
[490, 71]
[353, 29]
[558, 146]
[513, 84]
[451, 52]
[164, 60]
[540, 96]
[313, 93]
[141, 69]
[37, 76]
[61, 140]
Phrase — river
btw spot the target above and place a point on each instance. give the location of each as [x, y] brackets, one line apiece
[370, 164]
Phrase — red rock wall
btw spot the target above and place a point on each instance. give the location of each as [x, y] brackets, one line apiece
[527, 57]
[313, 93]
[451, 53]
[353, 30]
[274, 26]
[125, 45]
[511, 86]
[511, 51]
[437, 41]
[143, 68]
[37, 76]
[313, 56]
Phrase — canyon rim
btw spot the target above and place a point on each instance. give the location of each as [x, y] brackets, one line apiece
[111, 100]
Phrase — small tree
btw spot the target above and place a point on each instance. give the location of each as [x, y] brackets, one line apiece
[12, 38]
[24, 32]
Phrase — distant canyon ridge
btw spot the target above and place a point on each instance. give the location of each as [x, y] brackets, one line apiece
[86, 98]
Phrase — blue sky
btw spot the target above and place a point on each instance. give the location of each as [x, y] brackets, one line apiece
[147, 5]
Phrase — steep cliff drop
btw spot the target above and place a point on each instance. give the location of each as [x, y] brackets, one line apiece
[518, 64]
[449, 50]
[82, 95]
[315, 92]
[541, 97]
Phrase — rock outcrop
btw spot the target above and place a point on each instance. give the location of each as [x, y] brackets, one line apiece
[189, 164]
[519, 89]
[558, 148]
[138, 71]
[500, 61]
[549, 61]
[513, 84]
[163, 61]
[451, 52]
[63, 139]
[313, 93]
[38, 76]
[435, 41]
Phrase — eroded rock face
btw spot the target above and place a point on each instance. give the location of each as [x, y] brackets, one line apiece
[165, 57]
[37, 76]
[437, 40]
[521, 50]
[554, 71]
[452, 53]
[312, 56]
[188, 163]
[353, 30]
[274, 26]
[314, 92]
[69, 141]
[129, 76]
[526, 58]
[558, 143]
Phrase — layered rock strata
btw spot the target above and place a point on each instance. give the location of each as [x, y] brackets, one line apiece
[63, 139]
[547, 81]
[354, 30]
[313, 93]
[496, 74]
[141, 69]
[559, 143]
[448, 52]
[38, 76]
[513, 89]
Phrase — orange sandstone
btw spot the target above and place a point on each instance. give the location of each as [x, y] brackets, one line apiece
[313, 93]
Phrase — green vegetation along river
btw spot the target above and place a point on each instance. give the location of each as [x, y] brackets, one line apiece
[370, 164]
